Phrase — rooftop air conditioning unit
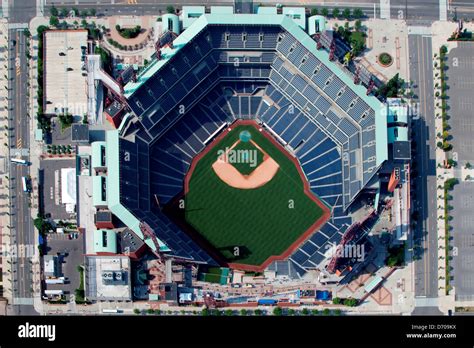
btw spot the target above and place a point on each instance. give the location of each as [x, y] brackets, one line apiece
[118, 275]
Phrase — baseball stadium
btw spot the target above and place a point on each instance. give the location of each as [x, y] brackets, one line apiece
[255, 135]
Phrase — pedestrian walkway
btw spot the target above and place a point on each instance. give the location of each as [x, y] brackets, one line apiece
[23, 301]
[419, 30]
[5, 8]
[426, 302]
[443, 10]
[17, 25]
[385, 9]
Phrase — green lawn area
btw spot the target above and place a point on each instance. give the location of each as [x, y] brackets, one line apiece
[261, 222]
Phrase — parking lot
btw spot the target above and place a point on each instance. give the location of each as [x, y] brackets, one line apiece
[74, 250]
[461, 102]
[60, 136]
[463, 240]
[50, 179]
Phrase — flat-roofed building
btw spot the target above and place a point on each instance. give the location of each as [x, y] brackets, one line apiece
[65, 89]
[108, 278]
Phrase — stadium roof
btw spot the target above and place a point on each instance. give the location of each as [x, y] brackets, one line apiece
[113, 189]
[292, 27]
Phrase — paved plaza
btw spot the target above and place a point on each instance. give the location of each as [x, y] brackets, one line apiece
[461, 102]
[463, 240]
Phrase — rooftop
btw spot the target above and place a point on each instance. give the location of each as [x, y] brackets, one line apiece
[64, 84]
[128, 241]
[80, 133]
[114, 108]
[105, 241]
[99, 287]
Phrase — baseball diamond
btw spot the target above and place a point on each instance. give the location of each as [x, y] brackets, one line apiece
[250, 222]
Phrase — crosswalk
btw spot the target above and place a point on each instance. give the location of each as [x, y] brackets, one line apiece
[19, 143]
[17, 25]
[385, 9]
[5, 8]
[419, 30]
[443, 10]
[23, 301]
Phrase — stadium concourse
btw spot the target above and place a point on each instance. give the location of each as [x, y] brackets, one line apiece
[224, 68]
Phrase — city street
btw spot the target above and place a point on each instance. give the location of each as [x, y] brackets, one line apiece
[425, 235]
[22, 225]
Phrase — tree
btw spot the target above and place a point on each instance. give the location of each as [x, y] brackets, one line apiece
[93, 11]
[450, 183]
[350, 302]
[325, 12]
[41, 29]
[314, 11]
[335, 12]
[336, 300]
[205, 312]
[243, 312]
[84, 13]
[357, 41]
[228, 312]
[53, 11]
[326, 311]
[392, 88]
[277, 311]
[346, 13]
[357, 13]
[64, 12]
[258, 312]
[291, 312]
[305, 311]
[358, 25]
[54, 21]
[170, 9]
[468, 165]
[451, 162]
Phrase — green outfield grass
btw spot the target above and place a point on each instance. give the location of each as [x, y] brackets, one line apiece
[262, 222]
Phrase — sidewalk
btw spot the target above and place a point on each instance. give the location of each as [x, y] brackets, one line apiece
[5, 237]
[440, 33]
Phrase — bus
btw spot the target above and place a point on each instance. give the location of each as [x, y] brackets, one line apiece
[111, 310]
[20, 161]
[25, 183]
